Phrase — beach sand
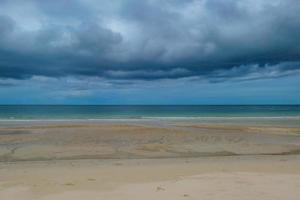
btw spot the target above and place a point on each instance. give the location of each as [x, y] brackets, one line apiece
[148, 160]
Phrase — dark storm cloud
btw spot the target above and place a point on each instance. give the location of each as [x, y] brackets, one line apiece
[148, 40]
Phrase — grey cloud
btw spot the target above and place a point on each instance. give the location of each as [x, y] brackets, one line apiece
[6, 26]
[255, 71]
[152, 39]
[148, 74]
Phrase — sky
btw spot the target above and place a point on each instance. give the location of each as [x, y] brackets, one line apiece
[149, 52]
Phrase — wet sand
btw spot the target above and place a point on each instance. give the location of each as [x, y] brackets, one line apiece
[147, 160]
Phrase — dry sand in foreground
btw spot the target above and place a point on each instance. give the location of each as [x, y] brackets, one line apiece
[230, 178]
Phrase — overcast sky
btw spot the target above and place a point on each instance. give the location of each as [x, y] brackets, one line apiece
[150, 52]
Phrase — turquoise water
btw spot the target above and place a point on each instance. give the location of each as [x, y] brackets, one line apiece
[40, 112]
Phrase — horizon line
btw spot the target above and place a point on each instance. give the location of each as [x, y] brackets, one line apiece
[149, 104]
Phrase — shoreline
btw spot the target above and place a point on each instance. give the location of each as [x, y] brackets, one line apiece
[156, 118]
[230, 121]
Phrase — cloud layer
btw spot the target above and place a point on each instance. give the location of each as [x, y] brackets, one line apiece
[149, 40]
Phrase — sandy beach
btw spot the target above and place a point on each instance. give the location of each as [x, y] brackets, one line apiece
[148, 160]
[149, 100]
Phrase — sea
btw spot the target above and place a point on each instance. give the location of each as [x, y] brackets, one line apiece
[94, 112]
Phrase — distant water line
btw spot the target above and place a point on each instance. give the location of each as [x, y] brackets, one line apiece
[69, 112]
